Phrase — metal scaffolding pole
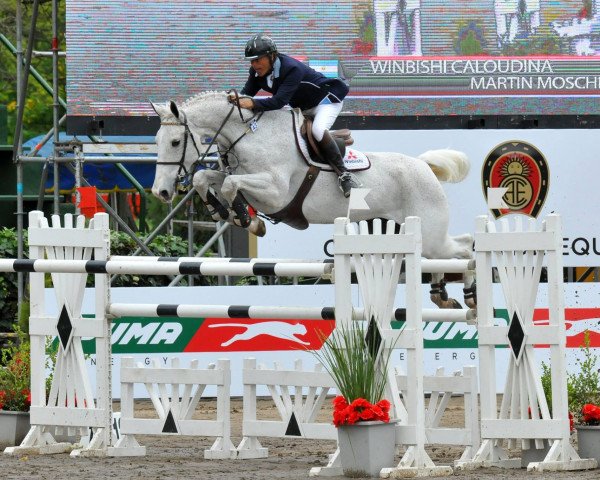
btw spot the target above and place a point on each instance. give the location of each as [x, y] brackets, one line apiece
[19, 143]
[22, 81]
[55, 104]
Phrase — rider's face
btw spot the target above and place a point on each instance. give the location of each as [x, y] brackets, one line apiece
[261, 65]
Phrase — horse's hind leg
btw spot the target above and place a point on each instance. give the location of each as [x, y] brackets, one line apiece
[455, 247]
[465, 245]
[438, 293]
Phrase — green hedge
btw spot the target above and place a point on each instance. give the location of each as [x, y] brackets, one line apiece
[8, 281]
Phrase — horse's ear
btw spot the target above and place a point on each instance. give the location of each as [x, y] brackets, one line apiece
[174, 109]
[161, 110]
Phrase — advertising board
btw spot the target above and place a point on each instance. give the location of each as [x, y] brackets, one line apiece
[452, 345]
[410, 58]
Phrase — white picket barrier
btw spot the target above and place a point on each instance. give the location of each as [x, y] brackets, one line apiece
[441, 389]
[298, 395]
[175, 393]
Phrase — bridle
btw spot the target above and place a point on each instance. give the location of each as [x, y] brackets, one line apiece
[184, 176]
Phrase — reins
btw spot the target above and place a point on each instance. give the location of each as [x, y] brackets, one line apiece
[183, 175]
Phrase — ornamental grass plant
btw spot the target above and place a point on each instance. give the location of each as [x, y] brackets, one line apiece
[352, 357]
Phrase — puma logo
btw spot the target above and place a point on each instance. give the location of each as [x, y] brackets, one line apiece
[575, 327]
[283, 330]
[582, 325]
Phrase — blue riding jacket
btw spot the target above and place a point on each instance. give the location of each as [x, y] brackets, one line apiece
[294, 84]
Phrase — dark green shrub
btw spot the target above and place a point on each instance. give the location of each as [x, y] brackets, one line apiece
[8, 281]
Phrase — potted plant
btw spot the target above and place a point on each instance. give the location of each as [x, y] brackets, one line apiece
[366, 437]
[584, 402]
[15, 396]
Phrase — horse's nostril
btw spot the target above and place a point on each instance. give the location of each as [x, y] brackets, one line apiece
[164, 194]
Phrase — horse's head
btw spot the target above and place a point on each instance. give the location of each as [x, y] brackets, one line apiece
[176, 150]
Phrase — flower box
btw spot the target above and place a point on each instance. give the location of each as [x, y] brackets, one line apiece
[588, 441]
[13, 427]
[366, 447]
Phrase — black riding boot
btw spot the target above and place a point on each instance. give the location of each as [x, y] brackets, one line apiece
[331, 153]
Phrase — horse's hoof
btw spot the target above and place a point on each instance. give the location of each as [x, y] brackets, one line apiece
[453, 303]
[257, 227]
[445, 303]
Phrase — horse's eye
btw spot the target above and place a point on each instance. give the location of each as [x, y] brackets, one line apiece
[175, 143]
[206, 140]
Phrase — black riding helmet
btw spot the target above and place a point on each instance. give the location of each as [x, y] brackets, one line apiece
[259, 46]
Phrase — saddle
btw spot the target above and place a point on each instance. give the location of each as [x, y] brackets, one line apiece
[342, 137]
[292, 214]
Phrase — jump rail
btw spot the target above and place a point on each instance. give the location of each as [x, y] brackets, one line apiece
[266, 312]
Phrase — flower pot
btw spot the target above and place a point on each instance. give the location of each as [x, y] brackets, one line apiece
[588, 441]
[366, 447]
[13, 427]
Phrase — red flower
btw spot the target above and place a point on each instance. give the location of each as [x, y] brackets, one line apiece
[591, 414]
[359, 410]
[27, 395]
[571, 422]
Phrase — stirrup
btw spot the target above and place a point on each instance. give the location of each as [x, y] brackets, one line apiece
[347, 181]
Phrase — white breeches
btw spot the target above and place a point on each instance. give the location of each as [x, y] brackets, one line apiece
[325, 115]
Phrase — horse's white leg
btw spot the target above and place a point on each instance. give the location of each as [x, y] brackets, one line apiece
[202, 181]
[259, 186]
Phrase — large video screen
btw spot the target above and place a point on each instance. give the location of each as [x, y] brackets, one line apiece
[401, 58]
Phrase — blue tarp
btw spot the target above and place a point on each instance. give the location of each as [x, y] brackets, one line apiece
[104, 176]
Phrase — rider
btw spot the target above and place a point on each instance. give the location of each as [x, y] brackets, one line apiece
[293, 83]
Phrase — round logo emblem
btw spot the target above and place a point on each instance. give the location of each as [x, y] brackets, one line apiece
[522, 170]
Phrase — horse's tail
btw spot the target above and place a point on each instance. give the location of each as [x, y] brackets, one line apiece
[448, 165]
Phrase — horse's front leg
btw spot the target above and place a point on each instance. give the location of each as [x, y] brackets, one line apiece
[261, 186]
[203, 181]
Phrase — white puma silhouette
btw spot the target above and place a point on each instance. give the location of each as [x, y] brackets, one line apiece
[580, 326]
[575, 327]
[283, 330]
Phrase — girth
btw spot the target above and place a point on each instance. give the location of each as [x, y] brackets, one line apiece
[292, 214]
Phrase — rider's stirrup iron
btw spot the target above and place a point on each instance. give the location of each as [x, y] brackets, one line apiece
[347, 182]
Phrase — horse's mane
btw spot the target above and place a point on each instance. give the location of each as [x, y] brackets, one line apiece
[209, 94]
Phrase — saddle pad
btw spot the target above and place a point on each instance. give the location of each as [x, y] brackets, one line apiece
[354, 159]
